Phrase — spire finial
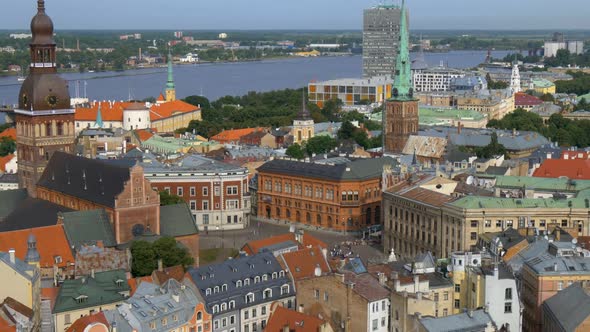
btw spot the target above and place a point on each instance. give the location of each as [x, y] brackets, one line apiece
[403, 77]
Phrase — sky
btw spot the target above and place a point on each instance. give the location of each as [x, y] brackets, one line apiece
[296, 14]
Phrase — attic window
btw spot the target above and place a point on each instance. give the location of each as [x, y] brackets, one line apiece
[119, 282]
[58, 260]
[81, 299]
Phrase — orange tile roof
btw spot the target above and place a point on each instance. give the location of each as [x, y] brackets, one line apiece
[114, 111]
[571, 168]
[253, 247]
[135, 282]
[161, 97]
[82, 322]
[232, 135]
[10, 132]
[171, 108]
[50, 293]
[172, 272]
[51, 242]
[6, 324]
[143, 135]
[297, 321]
[302, 263]
[5, 160]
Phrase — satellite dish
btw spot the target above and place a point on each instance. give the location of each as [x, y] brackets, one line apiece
[469, 180]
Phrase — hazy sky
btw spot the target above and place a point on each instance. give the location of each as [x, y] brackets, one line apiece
[296, 14]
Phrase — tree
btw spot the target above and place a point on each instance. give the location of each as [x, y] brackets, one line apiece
[494, 148]
[198, 100]
[149, 100]
[320, 144]
[146, 255]
[346, 130]
[7, 146]
[547, 97]
[144, 258]
[582, 105]
[295, 151]
[169, 199]
[495, 85]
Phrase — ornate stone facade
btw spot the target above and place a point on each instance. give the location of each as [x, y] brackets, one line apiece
[44, 118]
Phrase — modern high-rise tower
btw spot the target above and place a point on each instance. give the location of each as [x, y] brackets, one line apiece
[401, 111]
[381, 26]
[44, 117]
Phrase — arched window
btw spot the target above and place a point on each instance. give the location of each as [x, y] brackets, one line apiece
[224, 287]
[256, 279]
[247, 282]
[239, 283]
[60, 128]
[278, 214]
[274, 275]
[308, 216]
[232, 304]
[216, 289]
[48, 131]
[281, 273]
[264, 277]
[224, 306]
[288, 213]
[199, 315]
[319, 219]
[285, 289]
[215, 309]
[267, 293]
[208, 291]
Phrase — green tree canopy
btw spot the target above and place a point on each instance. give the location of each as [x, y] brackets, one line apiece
[494, 148]
[169, 199]
[146, 255]
[320, 144]
[7, 146]
[295, 151]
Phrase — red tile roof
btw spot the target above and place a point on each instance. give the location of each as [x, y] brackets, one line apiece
[302, 264]
[253, 247]
[172, 272]
[51, 242]
[7, 324]
[83, 322]
[571, 168]
[143, 135]
[523, 99]
[297, 321]
[171, 108]
[113, 111]
[5, 160]
[10, 132]
[161, 97]
[233, 135]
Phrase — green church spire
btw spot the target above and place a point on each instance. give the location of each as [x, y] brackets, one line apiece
[402, 85]
[98, 123]
[170, 83]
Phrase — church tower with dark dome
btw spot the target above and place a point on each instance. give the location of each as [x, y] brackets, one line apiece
[44, 117]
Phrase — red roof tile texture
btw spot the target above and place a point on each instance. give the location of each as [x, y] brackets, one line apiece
[570, 168]
[297, 321]
[302, 264]
[113, 111]
[253, 247]
[85, 321]
[51, 242]
[10, 132]
[523, 99]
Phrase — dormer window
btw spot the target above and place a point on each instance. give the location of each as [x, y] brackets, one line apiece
[215, 309]
[119, 282]
[58, 260]
[256, 279]
[281, 273]
[224, 306]
[247, 282]
[264, 277]
[81, 299]
[249, 298]
[224, 287]
[216, 290]
[284, 289]
[239, 283]
[274, 275]
[267, 293]
[208, 291]
[232, 304]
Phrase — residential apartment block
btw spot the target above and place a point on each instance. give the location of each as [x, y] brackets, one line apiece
[381, 27]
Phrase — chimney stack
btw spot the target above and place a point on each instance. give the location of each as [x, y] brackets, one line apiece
[12, 252]
[160, 265]
[382, 279]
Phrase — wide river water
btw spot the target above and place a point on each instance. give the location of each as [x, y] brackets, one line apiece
[215, 80]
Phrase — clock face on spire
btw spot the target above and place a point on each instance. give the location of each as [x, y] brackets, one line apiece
[52, 100]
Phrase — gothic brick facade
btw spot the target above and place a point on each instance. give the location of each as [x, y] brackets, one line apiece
[401, 121]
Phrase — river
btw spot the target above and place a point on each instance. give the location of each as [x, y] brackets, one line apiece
[215, 80]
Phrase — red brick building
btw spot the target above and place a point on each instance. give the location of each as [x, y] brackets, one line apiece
[345, 196]
[86, 184]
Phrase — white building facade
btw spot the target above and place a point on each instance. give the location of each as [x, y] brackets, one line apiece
[378, 317]
[434, 79]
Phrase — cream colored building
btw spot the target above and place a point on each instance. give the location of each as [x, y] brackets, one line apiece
[22, 282]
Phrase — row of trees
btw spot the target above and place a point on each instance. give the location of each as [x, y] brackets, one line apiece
[580, 84]
[558, 129]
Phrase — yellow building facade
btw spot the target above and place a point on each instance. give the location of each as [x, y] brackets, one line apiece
[351, 91]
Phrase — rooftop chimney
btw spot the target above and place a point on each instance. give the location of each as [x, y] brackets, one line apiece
[160, 265]
[382, 279]
[12, 255]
